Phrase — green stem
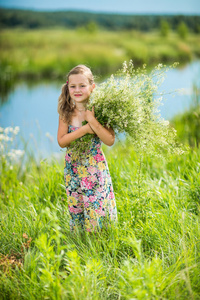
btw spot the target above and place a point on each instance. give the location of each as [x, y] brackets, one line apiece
[139, 177]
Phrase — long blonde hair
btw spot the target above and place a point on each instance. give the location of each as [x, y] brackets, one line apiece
[65, 104]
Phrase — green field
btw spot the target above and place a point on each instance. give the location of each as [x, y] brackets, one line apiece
[52, 52]
[153, 252]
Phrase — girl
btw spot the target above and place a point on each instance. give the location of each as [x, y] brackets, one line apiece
[91, 200]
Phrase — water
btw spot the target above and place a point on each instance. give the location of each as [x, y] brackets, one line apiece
[179, 88]
[34, 109]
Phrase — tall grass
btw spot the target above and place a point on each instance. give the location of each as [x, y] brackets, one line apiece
[51, 52]
[152, 253]
[188, 123]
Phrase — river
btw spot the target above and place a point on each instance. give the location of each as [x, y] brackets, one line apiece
[34, 108]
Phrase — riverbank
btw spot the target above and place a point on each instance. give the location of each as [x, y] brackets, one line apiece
[50, 53]
[26, 105]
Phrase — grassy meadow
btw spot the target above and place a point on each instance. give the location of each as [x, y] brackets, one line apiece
[52, 52]
[152, 253]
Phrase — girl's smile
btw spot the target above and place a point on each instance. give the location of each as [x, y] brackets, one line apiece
[79, 88]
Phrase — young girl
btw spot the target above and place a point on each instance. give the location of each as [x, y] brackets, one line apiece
[91, 200]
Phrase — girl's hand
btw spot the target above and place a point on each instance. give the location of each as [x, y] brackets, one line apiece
[89, 115]
[88, 129]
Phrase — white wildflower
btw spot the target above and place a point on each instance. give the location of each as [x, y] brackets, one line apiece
[9, 156]
[8, 129]
[166, 122]
[19, 152]
[129, 102]
[124, 66]
[4, 138]
[14, 154]
[159, 66]
[16, 130]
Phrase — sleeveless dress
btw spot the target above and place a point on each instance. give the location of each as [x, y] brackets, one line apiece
[89, 189]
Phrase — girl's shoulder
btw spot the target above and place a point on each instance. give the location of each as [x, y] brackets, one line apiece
[63, 123]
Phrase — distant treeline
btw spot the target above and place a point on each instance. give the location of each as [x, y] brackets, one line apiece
[72, 19]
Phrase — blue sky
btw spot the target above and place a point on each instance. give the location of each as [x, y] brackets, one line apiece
[118, 6]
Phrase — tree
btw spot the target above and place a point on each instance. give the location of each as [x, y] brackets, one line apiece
[91, 27]
[182, 30]
[164, 28]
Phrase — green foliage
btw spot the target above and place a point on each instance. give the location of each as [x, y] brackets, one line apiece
[91, 27]
[188, 123]
[6, 80]
[188, 127]
[50, 53]
[10, 18]
[164, 28]
[182, 30]
[152, 253]
[129, 103]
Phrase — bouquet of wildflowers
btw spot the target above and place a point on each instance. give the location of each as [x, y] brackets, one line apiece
[129, 102]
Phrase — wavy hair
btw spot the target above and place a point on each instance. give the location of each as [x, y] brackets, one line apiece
[65, 103]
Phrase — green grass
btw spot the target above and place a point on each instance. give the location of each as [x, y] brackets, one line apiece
[52, 52]
[153, 252]
[188, 123]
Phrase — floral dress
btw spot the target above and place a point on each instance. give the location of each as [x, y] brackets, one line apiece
[89, 189]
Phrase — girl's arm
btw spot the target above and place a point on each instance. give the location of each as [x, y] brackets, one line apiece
[64, 138]
[106, 135]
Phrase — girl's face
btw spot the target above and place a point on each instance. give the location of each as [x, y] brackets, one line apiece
[79, 88]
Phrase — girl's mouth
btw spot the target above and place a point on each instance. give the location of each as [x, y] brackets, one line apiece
[77, 95]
